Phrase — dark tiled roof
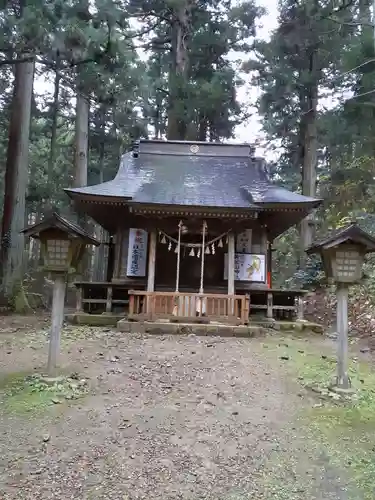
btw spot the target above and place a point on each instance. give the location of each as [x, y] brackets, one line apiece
[218, 178]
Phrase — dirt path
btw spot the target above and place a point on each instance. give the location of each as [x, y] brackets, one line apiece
[167, 418]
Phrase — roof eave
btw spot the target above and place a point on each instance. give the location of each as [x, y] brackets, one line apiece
[174, 209]
[77, 195]
[293, 205]
[55, 220]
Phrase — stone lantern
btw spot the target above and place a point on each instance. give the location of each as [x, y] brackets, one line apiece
[343, 254]
[63, 245]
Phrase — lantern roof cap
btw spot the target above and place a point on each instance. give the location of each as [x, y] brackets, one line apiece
[56, 221]
[351, 233]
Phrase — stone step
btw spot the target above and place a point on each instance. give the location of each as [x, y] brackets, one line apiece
[167, 328]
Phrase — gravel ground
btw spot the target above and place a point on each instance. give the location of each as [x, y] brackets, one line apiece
[166, 418]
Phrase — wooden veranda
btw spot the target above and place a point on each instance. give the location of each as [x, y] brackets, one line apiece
[98, 297]
[179, 306]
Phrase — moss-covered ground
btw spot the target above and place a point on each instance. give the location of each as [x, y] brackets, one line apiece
[335, 436]
[30, 395]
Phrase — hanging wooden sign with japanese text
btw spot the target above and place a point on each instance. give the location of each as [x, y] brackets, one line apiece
[243, 243]
[247, 267]
[137, 254]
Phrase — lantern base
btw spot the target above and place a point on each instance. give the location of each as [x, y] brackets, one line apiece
[52, 380]
[342, 390]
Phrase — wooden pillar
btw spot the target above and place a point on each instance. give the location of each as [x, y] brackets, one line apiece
[264, 249]
[300, 308]
[124, 251]
[231, 252]
[124, 254]
[108, 306]
[117, 252]
[79, 297]
[121, 254]
[110, 260]
[246, 310]
[151, 273]
[151, 261]
[269, 305]
[269, 264]
[231, 275]
[343, 380]
[57, 318]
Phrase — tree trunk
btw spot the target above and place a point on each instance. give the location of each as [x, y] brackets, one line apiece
[213, 135]
[53, 141]
[82, 122]
[80, 165]
[158, 115]
[99, 251]
[202, 128]
[81, 140]
[310, 146]
[173, 91]
[179, 71]
[16, 176]
[158, 103]
[366, 84]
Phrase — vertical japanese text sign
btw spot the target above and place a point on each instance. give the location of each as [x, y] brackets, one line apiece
[137, 254]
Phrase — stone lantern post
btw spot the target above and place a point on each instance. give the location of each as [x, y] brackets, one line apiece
[343, 253]
[63, 245]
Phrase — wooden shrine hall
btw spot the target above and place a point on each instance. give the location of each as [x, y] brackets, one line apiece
[192, 226]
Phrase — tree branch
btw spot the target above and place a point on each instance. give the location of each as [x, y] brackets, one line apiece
[360, 95]
[19, 60]
[344, 6]
[162, 90]
[72, 64]
[349, 23]
[355, 68]
[339, 9]
[140, 33]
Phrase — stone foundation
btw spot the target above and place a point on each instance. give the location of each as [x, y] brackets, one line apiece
[159, 328]
[214, 328]
[291, 326]
[94, 319]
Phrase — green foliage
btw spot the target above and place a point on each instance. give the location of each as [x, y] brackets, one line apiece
[283, 69]
[310, 277]
[203, 99]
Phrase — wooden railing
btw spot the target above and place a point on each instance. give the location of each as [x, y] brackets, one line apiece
[186, 306]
